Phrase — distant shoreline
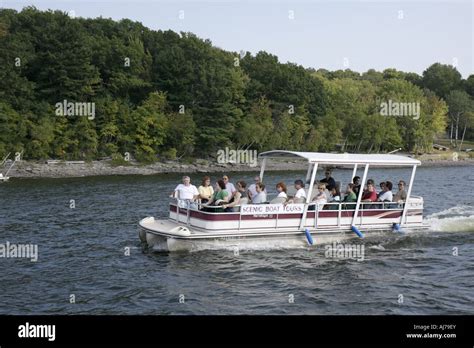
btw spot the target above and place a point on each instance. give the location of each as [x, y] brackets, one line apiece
[40, 169]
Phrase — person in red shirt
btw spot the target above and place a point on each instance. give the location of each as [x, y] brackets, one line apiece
[370, 195]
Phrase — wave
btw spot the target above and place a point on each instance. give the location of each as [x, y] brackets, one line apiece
[455, 219]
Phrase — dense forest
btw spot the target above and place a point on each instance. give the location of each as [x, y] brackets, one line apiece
[167, 95]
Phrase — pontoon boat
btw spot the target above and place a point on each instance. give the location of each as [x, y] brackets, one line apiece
[289, 225]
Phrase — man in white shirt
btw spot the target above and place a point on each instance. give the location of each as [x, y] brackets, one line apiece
[300, 195]
[300, 192]
[186, 193]
[386, 195]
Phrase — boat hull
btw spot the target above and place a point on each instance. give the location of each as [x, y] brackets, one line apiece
[170, 236]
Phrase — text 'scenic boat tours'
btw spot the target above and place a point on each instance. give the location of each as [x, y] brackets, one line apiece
[289, 225]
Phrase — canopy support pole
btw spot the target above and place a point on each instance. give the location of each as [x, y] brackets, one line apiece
[405, 208]
[359, 196]
[354, 172]
[262, 168]
[308, 173]
[308, 196]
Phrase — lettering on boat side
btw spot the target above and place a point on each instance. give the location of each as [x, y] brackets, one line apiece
[261, 210]
[230, 238]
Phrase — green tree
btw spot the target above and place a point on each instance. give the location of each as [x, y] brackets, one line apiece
[181, 137]
[151, 125]
[460, 105]
[469, 85]
[256, 126]
[441, 79]
[13, 130]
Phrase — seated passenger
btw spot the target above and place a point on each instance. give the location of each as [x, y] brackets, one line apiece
[239, 198]
[370, 195]
[334, 195]
[205, 190]
[186, 193]
[356, 187]
[261, 196]
[382, 188]
[252, 191]
[328, 180]
[220, 196]
[282, 196]
[386, 195]
[401, 195]
[334, 198]
[350, 194]
[230, 188]
[320, 199]
[300, 195]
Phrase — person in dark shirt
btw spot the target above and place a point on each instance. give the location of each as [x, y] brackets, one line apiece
[382, 189]
[356, 183]
[328, 180]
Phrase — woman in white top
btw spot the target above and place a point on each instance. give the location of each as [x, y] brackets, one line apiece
[321, 197]
[282, 196]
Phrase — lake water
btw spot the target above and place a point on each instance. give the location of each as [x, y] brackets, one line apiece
[81, 252]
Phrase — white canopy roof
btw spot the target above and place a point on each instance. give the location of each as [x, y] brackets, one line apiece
[343, 158]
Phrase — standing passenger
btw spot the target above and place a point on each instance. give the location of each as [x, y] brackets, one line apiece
[185, 193]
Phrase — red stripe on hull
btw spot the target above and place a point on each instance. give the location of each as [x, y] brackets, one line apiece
[310, 215]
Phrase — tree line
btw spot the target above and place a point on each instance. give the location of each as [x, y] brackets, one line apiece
[167, 95]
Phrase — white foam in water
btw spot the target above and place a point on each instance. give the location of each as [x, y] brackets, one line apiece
[377, 247]
[456, 219]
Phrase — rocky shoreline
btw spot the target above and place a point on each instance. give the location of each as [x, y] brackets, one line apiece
[42, 169]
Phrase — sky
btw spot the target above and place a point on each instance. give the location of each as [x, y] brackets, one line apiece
[354, 34]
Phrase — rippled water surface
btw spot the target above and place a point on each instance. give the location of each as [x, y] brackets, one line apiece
[82, 252]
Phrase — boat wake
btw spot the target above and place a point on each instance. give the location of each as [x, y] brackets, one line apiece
[456, 219]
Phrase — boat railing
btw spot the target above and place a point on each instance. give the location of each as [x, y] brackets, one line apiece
[331, 206]
[312, 207]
